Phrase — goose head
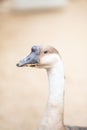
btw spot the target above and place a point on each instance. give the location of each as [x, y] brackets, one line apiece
[40, 57]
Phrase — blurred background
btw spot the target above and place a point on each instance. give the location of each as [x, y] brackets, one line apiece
[24, 91]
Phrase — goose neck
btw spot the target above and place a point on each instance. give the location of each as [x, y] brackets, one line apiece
[56, 83]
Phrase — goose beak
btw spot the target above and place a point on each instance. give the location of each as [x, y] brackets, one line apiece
[31, 60]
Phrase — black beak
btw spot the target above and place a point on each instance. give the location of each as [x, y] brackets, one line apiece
[30, 59]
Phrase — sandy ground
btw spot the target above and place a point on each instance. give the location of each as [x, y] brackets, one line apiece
[23, 91]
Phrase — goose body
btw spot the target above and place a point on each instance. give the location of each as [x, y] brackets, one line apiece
[49, 58]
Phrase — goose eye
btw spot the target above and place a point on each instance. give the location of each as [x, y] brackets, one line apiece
[45, 52]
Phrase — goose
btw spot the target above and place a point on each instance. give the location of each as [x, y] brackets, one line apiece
[48, 57]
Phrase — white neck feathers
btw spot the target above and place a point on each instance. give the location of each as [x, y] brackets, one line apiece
[53, 116]
[56, 83]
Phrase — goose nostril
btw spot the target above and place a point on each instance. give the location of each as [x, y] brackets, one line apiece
[28, 59]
